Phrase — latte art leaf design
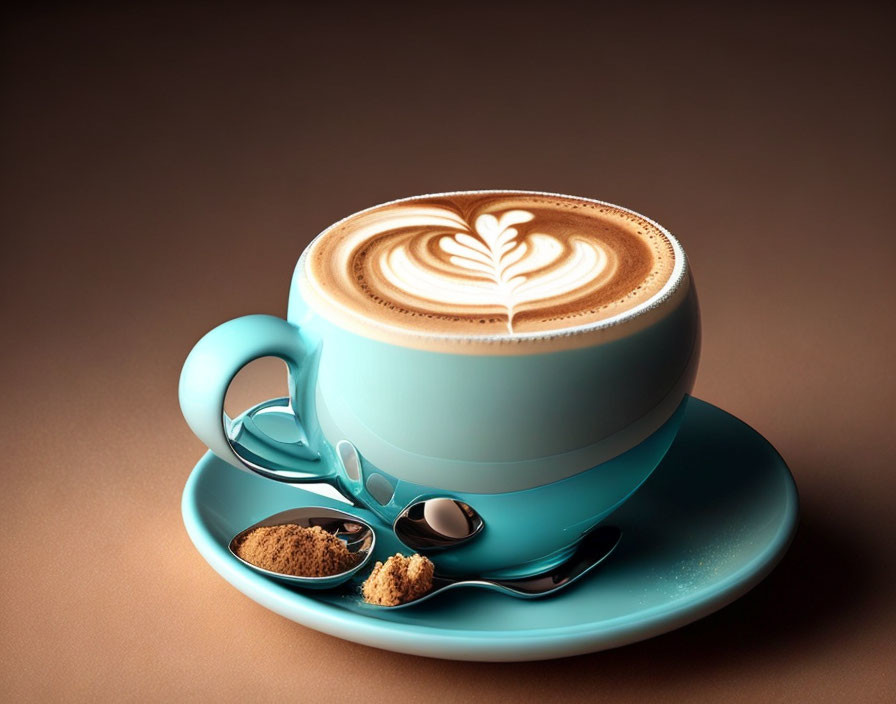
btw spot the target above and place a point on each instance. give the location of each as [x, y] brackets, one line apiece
[498, 267]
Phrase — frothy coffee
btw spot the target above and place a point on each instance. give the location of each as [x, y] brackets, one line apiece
[505, 264]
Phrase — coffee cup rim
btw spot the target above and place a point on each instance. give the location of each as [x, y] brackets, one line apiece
[669, 289]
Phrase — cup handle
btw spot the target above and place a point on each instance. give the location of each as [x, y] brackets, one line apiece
[211, 366]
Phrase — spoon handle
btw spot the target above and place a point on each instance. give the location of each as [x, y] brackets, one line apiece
[594, 548]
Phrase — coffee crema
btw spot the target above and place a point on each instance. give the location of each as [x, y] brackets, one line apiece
[487, 263]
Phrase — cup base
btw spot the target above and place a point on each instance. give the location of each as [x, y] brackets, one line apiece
[536, 567]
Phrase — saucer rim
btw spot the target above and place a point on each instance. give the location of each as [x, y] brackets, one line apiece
[485, 644]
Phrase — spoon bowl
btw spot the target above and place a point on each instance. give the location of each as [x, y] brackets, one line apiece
[595, 547]
[358, 536]
[436, 524]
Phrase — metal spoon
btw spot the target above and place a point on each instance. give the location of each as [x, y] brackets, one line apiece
[437, 524]
[358, 536]
[595, 547]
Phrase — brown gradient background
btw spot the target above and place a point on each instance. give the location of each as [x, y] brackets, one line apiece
[163, 167]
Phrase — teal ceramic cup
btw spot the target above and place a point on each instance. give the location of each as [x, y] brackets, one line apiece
[543, 439]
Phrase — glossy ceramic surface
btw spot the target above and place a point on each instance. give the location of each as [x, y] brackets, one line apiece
[709, 524]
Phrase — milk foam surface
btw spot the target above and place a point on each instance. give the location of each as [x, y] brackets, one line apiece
[487, 263]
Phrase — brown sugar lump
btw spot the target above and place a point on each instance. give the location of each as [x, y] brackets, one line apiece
[295, 550]
[399, 580]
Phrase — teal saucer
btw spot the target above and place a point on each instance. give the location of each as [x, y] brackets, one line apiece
[710, 524]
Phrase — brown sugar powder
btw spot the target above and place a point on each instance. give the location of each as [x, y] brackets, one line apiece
[399, 580]
[295, 550]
